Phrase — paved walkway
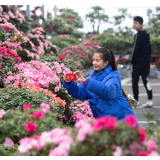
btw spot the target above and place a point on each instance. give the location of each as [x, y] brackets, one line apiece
[155, 110]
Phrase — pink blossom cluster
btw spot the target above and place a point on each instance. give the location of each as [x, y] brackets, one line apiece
[44, 43]
[59, 68]
[84, 129]
[81, 111]
[30, 126]
[84, 49]
[8, 143]
[142, 147]
[37, 73]
[60, 137]
[5, 16]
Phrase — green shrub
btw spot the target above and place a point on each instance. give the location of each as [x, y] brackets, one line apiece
[11, 98]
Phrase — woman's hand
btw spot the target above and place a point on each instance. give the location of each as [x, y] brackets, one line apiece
[65, 78]
[79, 77]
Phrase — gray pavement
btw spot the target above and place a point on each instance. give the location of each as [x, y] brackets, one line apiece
[155, 110]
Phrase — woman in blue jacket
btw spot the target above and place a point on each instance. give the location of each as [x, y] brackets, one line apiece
[102, 88]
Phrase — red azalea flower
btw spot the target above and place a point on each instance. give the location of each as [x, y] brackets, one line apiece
[33, 11]
[61, 58]
[71, 18]
[142, 135]
[9, 30]
[142, 153]
[30, 127]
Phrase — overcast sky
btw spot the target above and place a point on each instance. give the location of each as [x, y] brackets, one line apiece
[110, 10]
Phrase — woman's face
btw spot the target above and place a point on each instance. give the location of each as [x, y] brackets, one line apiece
[98, 62]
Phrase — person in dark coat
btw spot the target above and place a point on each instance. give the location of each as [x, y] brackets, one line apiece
[140, 61]
[102, 88]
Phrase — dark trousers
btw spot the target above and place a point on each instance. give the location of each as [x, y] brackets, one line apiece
[141, 70]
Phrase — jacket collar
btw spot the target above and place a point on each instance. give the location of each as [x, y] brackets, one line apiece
[102, 74]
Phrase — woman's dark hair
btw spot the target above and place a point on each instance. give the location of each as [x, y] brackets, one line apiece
[108, 55]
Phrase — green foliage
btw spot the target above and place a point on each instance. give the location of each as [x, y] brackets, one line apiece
[4, 151]
[118, 45]
[63, 41]
[155, 44]
[11, 98]
[153, 128]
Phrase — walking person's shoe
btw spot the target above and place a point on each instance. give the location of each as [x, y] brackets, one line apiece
[147, 104]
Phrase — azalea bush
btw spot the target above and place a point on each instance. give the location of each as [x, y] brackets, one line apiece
[61, 60]
[153, 129]
[35, 45]
[14, 96]
[78, 111]
[11, 14]
[103, 136]
[16, 124]
[107, 137]
[10, 39]
[8, 59]
[63, 40]
[37, 73]
[81, 54]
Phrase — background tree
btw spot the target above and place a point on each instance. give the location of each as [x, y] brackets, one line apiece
[153, 25]
[67, 22]
[120, 21]
[97, 16]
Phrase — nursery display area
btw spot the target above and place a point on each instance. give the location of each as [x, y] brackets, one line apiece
[37, 115]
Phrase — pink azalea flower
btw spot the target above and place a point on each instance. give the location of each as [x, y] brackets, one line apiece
[105, 123]
[26, 107]
[45, 107]
[130, 121]
[8, 143]
[37, 114]
[151, 145]
[118, 151]
[2, 113]
[30, 127]
[154, 153]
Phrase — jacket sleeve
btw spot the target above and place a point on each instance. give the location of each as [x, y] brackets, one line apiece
[134, 54]
[108, 90]
[77, 91]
